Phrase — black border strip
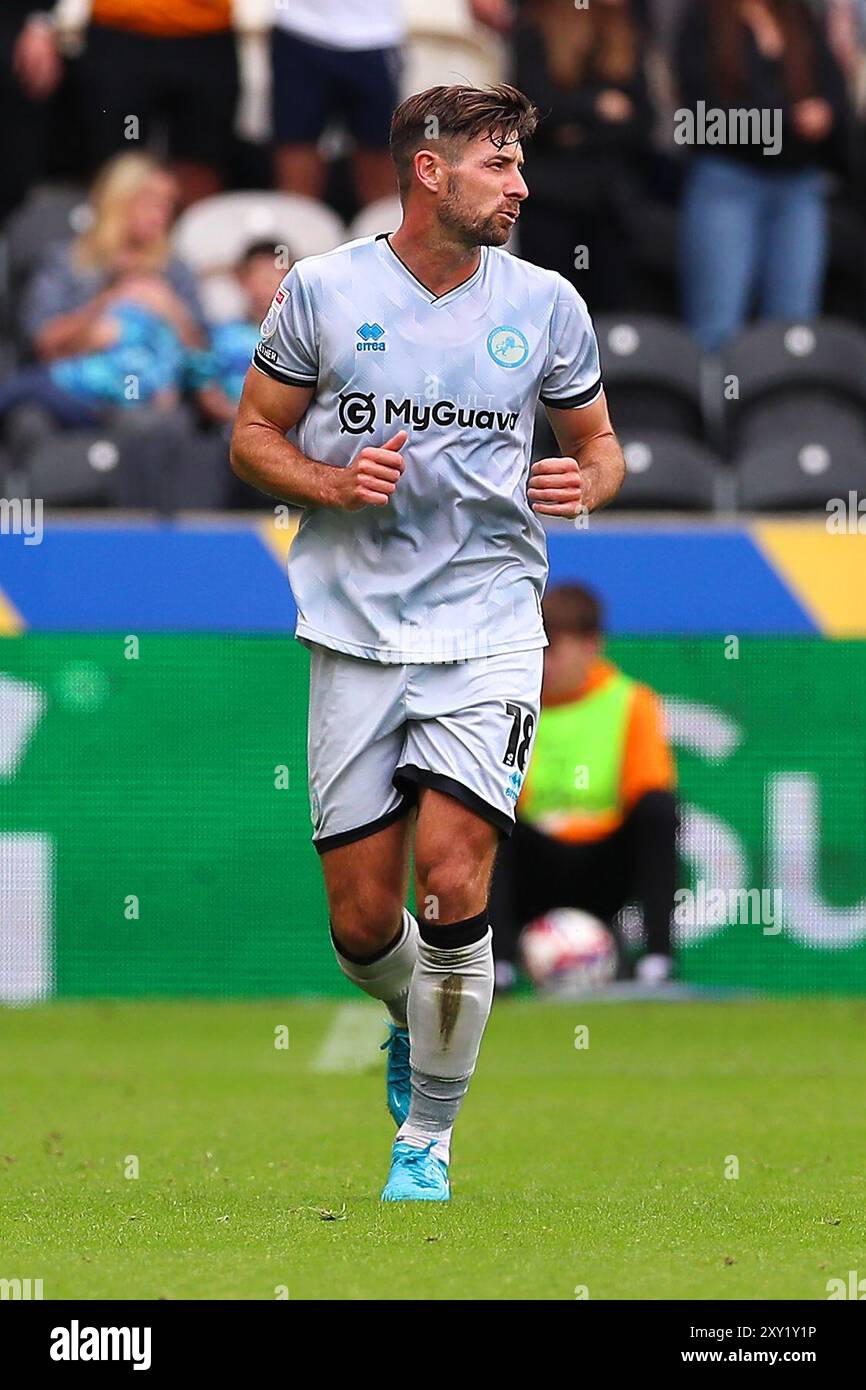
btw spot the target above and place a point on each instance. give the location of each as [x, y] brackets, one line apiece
[361, 832]
[409, 775]
[575, 402]
[278, 374]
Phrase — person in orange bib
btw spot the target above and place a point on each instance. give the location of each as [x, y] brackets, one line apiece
[597, 814]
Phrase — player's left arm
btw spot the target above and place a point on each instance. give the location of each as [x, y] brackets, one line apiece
[590, 472]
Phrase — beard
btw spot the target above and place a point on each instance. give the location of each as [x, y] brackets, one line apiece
[470, 227]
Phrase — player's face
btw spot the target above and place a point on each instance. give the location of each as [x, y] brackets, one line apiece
[483, 193]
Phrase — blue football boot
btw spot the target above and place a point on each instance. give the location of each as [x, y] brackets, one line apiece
[416, 1176]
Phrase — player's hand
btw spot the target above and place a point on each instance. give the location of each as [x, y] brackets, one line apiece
[555, 487]
[372, 475]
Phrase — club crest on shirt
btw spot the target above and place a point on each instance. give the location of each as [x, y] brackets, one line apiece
[269, 322]
[507, 346]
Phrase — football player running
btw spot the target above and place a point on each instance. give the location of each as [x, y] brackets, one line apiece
[412, 364]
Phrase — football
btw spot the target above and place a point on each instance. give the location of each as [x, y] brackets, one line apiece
[566, 950]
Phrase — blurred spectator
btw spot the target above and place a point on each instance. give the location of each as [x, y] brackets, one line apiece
[30, 70]
[137, 358]
[661, 18]
[754, 225]
[217, 374]
[335, 58]
[596, 819]
[113, 315]
[127, 244]
[845, 32]
[498, 15]
[170, 65]
[584, 70]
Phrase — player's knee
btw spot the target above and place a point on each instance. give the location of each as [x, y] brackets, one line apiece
[364, 919]
[452, 885]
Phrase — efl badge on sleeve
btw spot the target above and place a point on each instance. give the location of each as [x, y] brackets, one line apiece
[269, 323]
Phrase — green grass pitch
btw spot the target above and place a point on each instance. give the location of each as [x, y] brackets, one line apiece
[601, 1167]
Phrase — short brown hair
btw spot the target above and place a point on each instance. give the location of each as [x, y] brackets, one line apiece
[571, 609]
[501, 112]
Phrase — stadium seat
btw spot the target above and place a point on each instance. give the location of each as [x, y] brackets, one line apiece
[801, 418]
[385, 215]
[667, 472]
[212, 234]
[202, 479]
[74, 468]
[784, 475]
[652, 374]
[820, 366]
[24, 428]
[49, 216]
[145, 460]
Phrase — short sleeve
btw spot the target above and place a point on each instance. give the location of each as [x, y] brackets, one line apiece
[287, 350]
[572, 373]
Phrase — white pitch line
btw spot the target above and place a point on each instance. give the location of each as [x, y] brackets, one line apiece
[352, 1041]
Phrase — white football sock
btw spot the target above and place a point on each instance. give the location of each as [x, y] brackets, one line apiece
[449, 1004]
[386, 976]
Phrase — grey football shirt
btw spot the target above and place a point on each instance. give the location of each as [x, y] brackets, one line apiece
[455, 565]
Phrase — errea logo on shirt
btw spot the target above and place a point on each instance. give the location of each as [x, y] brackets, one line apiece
[370, 335]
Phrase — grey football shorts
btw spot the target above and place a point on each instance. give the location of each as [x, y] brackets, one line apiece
[378, 732]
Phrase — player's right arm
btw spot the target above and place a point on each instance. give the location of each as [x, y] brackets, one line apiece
[262, 456]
